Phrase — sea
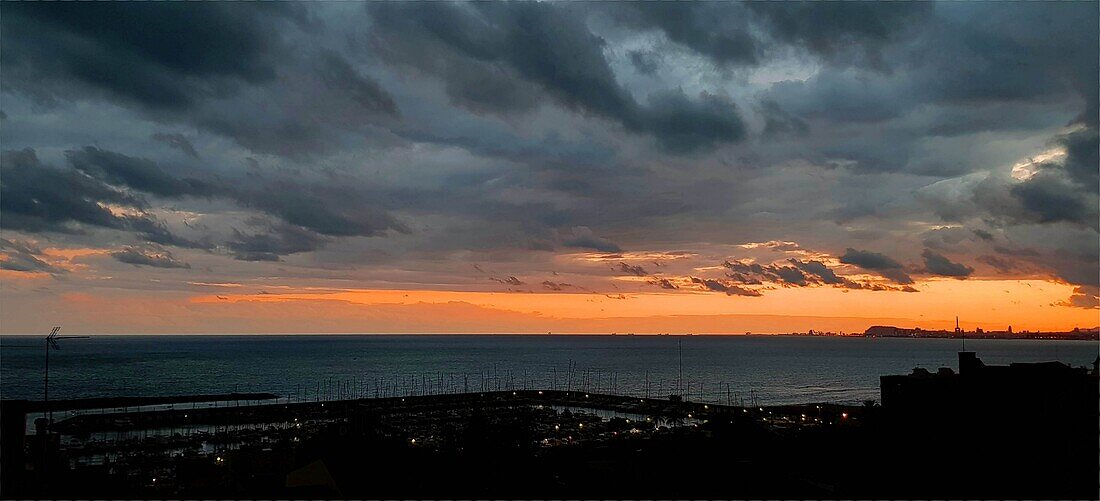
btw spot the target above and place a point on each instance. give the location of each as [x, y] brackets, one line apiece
[748, 370]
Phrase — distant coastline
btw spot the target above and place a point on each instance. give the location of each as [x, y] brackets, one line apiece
[877, 331]
[1091, 334]
[890, 331]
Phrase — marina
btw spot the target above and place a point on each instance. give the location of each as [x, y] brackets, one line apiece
[154, 446]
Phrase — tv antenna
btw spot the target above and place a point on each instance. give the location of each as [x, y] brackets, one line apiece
[961, 333]
[51, 342]
[680, 379]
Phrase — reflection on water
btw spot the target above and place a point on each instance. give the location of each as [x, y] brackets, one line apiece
[756, 369]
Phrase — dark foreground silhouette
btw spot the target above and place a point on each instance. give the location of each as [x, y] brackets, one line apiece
[1025, 430]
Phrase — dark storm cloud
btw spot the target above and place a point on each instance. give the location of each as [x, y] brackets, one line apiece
[20, 247]
[39, 198]
[273, 242]
[1060, 191]
[844, 32]
[663, 283]
[317, 209]
[636, 270]
[835, 96]
[719, 31]
[24, 257]
[729, 289]
[1015, 251]
[791, 276]
[544, 44]
[1022, 52]
[818, 270]
[800, 274]
[958, 69]
[484, 88]
[950, 238]
[880, 287]
[230, 69]
[779, 122]
[753, 273]
[869, 260]
[1084, 297]
[509, 280]
[744, 278]
[339, 77]
[1001, 264]
[148, 256]
[298, 204]
[683, 125]
[35, 197]
[1048, 198]
[549, 46]
[153, 230]
[739, 267]
[550, 153]
[879, 263]
[177, 141]
[937, 264]
[137, 173]
[555, 286]
[1077, 267]
[545, 209]
[982, 234]
[1083, 156]
[319, 105]
[162, 56]
[644, 62]
[583, 237]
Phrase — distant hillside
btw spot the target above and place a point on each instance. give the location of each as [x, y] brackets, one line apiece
[1092, 333]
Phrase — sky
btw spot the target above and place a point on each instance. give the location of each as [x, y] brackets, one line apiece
[548, 167]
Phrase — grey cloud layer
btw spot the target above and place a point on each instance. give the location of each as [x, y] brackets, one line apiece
[24, 257]
[438, 128]
[203, 65]
[148, 255]
[40, 198]
[939, 265]
[515, 46]
[879, 263]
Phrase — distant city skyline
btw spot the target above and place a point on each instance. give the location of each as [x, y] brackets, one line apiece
[548, 167]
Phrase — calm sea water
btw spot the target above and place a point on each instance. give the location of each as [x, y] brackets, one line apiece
[773, 369]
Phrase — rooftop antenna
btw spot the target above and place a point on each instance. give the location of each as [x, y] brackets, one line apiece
[960, 333]
[51, 342]
[680, 382]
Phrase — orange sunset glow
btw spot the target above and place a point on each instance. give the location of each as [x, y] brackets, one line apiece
[583, 300]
